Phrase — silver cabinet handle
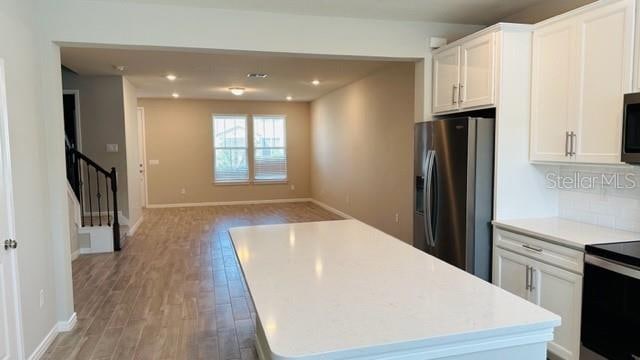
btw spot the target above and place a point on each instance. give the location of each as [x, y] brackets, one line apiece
[531, 273]
[460, 93]
[566, 144]
[453, 94]
[526, 279]
[532, 248]
[574, 142]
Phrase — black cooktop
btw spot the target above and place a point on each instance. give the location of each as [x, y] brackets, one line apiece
[624, 252]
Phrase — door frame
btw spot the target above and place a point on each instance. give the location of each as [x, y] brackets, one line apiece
[12, 256]
[142, 144]
[76, 96]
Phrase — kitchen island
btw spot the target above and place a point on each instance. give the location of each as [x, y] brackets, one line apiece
[345, 290]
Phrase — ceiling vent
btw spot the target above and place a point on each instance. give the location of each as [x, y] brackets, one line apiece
[257, 76]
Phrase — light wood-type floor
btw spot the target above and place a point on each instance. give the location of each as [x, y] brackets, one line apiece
[175, 291]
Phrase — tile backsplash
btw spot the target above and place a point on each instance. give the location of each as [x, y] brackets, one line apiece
[606, 196]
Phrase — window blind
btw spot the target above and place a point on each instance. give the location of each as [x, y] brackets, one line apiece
[270, 148]
[230, 148]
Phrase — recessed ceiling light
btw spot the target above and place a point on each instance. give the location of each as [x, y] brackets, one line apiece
[237, 91]
[175, 95]
[289, 98]
[171, 77]
[316, 82]
[120, 67]
[258, 75]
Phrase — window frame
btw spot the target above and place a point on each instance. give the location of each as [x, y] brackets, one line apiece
[253, 151]
[246, 148]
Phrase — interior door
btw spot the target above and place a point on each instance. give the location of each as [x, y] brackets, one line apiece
[446, 78]
[10, 334]
[560, 291]
[605, 75]
[477, 86]
[450, 141]
[510, 272]
[553, 91]
[142, 162]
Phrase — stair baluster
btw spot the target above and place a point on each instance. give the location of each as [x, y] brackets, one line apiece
[79, 178]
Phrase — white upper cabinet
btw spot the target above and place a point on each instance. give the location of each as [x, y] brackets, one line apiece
[553, 87]
[464, 74]
[477, 72]
[605, 75]
[582, 66]
[446, 79]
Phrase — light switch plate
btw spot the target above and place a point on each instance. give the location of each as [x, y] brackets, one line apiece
[154, 162]
[112, 148]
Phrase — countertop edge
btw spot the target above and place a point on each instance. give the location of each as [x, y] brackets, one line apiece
[449, 345]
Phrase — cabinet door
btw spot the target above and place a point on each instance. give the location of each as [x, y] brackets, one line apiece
[605, 69]
[553, 90]
[560, 292]
[510, 272]
[446, 77]
[477, 72]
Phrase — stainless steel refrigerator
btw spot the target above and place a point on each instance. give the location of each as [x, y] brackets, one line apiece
[454, 191]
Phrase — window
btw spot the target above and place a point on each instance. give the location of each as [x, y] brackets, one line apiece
[230, 143]
[270, 149]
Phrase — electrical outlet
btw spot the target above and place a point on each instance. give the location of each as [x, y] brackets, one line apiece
[293, 187]
[41, 297]
[183, 191]
[397, 218]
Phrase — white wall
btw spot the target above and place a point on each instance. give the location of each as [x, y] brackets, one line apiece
[28, 135]
[138, 24]
[131, 137]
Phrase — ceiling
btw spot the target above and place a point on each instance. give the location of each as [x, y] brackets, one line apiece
[210, 75]
[480, 12]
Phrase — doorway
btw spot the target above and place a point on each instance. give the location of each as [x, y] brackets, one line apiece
[71, 107]
[11, 345]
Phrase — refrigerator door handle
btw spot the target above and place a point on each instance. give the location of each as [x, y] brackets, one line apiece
[428, 197]
[434, 210]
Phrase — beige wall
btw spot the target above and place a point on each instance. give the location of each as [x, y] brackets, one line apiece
[362, 149]
[179, 135]
[102, 123]
[545, 10]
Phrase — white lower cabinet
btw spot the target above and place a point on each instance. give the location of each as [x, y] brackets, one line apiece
[552, 287]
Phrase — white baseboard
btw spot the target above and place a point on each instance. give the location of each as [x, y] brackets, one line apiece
[44, 344]
[332, 209]
[61, 326]
[68, 325]
[218, 203]
[75, 254]
[132, 229]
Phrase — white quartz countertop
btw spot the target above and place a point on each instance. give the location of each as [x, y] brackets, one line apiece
[567, 232]
[346, 289]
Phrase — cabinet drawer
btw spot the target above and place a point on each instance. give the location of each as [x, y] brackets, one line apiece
[544, 251]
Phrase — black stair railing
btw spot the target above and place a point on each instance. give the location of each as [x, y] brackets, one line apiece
[88, 180]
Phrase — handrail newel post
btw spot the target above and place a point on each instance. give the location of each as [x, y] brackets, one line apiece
[116, 221]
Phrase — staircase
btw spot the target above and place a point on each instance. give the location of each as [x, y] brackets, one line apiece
[95, 193]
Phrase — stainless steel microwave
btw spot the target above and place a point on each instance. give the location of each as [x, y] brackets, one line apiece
[631, 129]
